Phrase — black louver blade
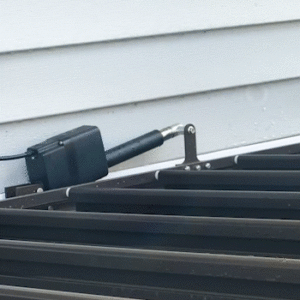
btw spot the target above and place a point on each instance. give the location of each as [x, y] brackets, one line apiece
[228, 233]
[147, 274]
[212, 203]
[232, 180]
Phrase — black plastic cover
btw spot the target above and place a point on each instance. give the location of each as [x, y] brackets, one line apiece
[74, 157]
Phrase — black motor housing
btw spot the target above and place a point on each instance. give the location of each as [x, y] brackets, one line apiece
[74, 157]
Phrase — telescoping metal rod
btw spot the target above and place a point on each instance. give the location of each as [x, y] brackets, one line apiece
[268, 162]
[142, 144]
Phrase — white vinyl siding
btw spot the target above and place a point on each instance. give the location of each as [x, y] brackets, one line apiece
[232, 68]
[63, 80]
[31, 24]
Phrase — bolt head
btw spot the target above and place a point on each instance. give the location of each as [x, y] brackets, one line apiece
[208, 166]
[198, 167]
[191, 130]
[187, 168]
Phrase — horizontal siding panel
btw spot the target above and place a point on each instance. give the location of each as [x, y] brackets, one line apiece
[63, 80]
[30, 24]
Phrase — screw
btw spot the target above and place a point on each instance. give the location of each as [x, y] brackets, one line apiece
[39, 190]
[32, 157]
[187, 168]
[191, 130]
[198, 167]
[50, 207]
[208, 166]
[60, 143]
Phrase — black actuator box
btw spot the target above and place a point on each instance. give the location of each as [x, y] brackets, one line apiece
[70, 158]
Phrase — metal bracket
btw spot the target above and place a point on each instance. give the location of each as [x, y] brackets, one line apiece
[24, 189]
[190, 144]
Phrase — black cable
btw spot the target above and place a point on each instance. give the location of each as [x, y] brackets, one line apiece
[16, 156]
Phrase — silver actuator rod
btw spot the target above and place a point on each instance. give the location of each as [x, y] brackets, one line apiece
[172, 131]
